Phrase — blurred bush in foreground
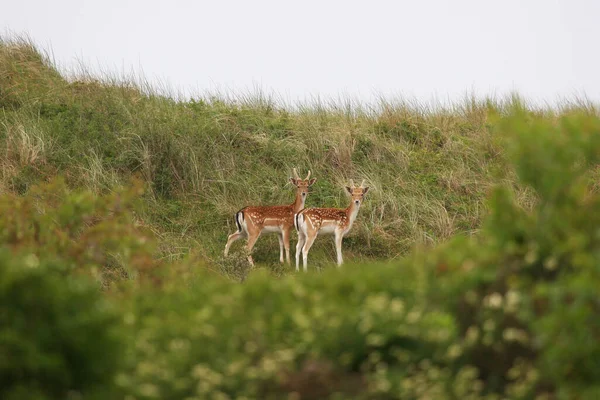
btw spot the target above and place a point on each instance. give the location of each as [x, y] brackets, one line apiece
[59, 338]
[88, 233]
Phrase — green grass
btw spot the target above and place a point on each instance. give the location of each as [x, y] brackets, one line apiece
[204, 158]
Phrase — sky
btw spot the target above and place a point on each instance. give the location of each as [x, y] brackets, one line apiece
[545, 50]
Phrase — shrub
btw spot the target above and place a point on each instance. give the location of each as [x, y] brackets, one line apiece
[316, 335]
[524, 291]
[59, 337]
[87, 233]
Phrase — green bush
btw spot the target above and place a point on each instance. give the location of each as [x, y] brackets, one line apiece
[87, 233]
[351, 334]
[525, 291]
[59, 338]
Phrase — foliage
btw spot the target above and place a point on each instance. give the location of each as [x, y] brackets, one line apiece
[525, 290]
[86, 233]
[59, 338]
[316, 335]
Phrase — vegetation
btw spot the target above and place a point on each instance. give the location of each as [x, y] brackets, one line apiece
[202, 160]
[476, 256]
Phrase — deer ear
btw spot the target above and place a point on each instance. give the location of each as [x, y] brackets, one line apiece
[349, 189]
[312, 181]
[293, 180]
[365, 190]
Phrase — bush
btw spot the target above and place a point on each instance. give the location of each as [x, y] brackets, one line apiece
[87, 233]
[525, 292]
[316, 335]
[59, 337]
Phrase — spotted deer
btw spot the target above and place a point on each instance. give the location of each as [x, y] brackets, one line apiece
[312, 222]
[252, 221]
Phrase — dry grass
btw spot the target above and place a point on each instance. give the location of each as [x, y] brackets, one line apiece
[26, 144]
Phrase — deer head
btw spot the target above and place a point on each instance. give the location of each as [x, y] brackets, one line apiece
[302, 185]
[357, 192]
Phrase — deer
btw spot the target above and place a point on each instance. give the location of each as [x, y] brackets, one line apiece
[252, 221]
[312, 222]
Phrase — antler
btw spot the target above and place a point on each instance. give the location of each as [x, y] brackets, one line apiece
[307, 176]
[296, 174]
[351, 183]
[362, 184]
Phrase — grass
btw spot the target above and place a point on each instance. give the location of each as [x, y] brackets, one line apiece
[202, 159]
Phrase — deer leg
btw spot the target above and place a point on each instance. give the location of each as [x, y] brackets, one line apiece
[301, 241]
[338, 247]
[280, 238]
[251, 241]
[232, 238]
[286, 245]
[309, 242]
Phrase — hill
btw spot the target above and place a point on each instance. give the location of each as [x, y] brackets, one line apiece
[472, 272]
[205, 158]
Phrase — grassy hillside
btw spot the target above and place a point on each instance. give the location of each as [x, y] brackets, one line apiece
[204, 159]
[472, 271]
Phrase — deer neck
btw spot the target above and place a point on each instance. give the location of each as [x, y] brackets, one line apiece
[298, 203]
[352, 212]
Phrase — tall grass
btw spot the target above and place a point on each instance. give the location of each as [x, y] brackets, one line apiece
[430, 167]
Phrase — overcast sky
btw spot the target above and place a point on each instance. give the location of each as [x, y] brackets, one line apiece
[544, 49]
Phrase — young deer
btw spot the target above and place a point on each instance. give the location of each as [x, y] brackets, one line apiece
[253, 220]
[311, 222]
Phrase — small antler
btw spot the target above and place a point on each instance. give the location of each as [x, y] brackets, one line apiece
[307, 176]
[351, 183]
[362, 184]
[296, 174]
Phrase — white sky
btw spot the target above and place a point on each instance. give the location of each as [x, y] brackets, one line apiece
[544, 49]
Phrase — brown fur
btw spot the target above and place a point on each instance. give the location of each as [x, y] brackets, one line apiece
[336, 221]
[279, 219]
